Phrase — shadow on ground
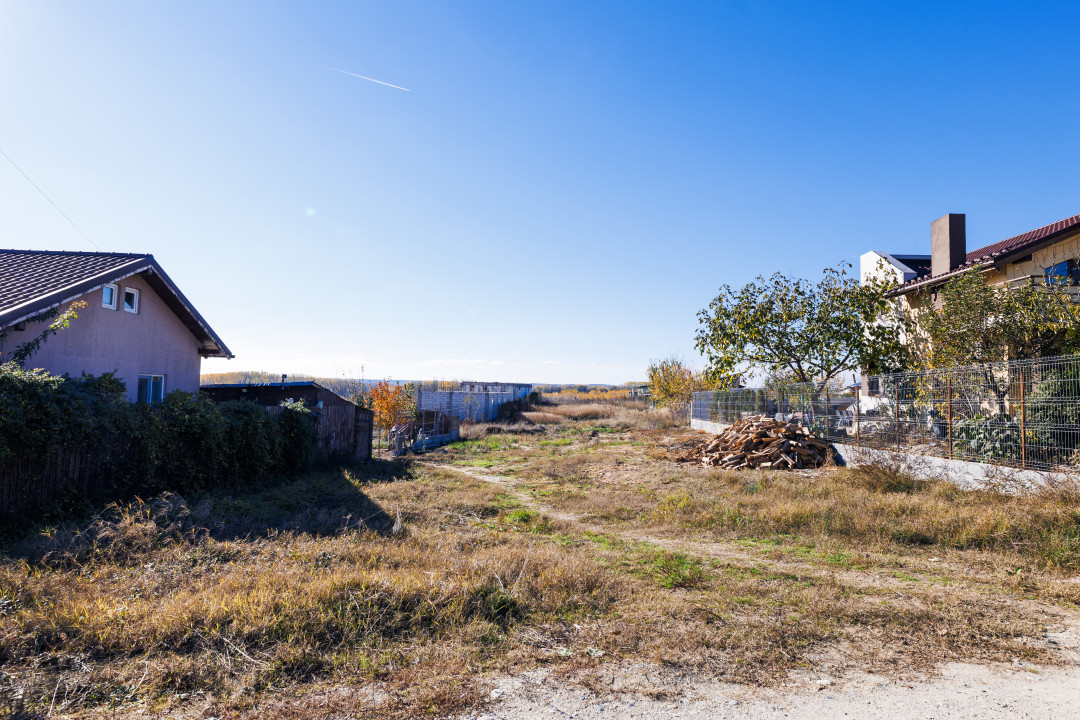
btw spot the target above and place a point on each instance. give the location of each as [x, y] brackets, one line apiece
[324, 503]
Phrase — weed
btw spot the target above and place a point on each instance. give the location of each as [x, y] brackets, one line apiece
[676, 570]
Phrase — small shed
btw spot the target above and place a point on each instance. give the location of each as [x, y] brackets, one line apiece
[345, 429]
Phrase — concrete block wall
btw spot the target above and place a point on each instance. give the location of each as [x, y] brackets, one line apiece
[475, 406]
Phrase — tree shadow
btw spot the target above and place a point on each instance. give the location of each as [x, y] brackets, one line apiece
[324, 503]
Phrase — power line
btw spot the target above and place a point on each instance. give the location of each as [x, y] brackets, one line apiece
[50, 200]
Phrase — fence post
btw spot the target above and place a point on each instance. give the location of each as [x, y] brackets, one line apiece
[828, 408]
[948, 380]
[1023, 423]
[896, 412]
[858, 435]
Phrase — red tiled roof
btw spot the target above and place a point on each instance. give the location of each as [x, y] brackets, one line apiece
[35, 281]
[990, 253]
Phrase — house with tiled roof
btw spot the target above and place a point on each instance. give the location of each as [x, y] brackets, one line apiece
[1050, 253]
[136, 322]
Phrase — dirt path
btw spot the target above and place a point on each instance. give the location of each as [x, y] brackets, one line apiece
[647, 691]
[960, 692]
[732, 553]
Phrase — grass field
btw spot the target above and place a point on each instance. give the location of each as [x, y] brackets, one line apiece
[391, 589]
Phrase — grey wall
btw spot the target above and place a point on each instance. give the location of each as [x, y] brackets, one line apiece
[152, 342]
[477, 406]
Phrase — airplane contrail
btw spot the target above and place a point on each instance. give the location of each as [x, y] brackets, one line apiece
[364, 77]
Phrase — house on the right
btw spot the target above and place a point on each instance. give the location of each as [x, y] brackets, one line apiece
[1050, 253]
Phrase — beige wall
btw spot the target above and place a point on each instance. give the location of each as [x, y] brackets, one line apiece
[152, 342]
[1067, 249]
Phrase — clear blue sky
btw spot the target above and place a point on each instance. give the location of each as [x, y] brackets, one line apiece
[566, 183]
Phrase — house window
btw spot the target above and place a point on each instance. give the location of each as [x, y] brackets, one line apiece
[873, 386]
[131, 300]
[151, 389]
[108, 297]
[1066, 272]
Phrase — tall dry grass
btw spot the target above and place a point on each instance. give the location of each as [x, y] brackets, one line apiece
[150, 602]
[628, 416]
[857, 507]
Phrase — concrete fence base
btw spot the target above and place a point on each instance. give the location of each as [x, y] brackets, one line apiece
[963, 473]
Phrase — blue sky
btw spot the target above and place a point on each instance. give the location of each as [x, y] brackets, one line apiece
[563, 187]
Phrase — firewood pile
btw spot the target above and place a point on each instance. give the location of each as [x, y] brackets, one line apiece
[764, 443]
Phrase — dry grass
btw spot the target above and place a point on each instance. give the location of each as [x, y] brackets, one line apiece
[390, 594]
[478, 430]
[590, 411]
[866, 507]
[151, 602]
[626, 415]
[543, 418]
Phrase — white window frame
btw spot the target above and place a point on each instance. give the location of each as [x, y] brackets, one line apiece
[115, 293]
[150, 388]
[127, 290]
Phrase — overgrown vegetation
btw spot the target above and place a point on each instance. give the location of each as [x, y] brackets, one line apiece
[80, 439]
[980, 323]
[230, 601]
[390, 590]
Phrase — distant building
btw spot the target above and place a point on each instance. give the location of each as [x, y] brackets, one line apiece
[137, 323]
[515, 390]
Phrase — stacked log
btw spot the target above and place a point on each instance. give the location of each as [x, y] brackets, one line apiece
[764, 443]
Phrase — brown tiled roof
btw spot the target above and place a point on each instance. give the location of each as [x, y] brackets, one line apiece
[26, 275]
[34, 281]
[1016, 245]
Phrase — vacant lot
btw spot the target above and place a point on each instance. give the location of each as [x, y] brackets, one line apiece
[402, 589]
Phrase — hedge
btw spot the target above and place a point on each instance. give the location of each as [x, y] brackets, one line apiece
[65, 439]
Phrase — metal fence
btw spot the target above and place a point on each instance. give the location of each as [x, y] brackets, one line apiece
[1023, 414]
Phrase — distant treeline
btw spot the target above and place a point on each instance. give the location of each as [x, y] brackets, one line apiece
[584, 389]
[343, 386]
[350, 387]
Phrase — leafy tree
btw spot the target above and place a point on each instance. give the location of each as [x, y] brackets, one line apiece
[671, 382]
[392, 403]
[976, 323]
[793, 328]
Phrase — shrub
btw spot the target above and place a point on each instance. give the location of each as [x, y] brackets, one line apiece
[63, 439]
[988, 438]
[299, 444]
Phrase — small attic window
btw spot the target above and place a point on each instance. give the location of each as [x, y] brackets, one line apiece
[108, 297]
[131, 300]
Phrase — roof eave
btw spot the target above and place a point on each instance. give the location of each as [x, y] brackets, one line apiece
[211, 344]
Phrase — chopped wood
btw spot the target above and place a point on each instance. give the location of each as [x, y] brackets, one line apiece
[762, 442]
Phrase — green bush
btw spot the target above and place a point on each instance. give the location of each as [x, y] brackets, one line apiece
[65, 438]
[1053, 415]
[988, 438]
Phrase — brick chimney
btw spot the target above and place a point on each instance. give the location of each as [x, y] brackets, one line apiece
[948, 243]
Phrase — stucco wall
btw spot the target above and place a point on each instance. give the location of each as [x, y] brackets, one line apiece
[151, 342]
[1067, 249]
